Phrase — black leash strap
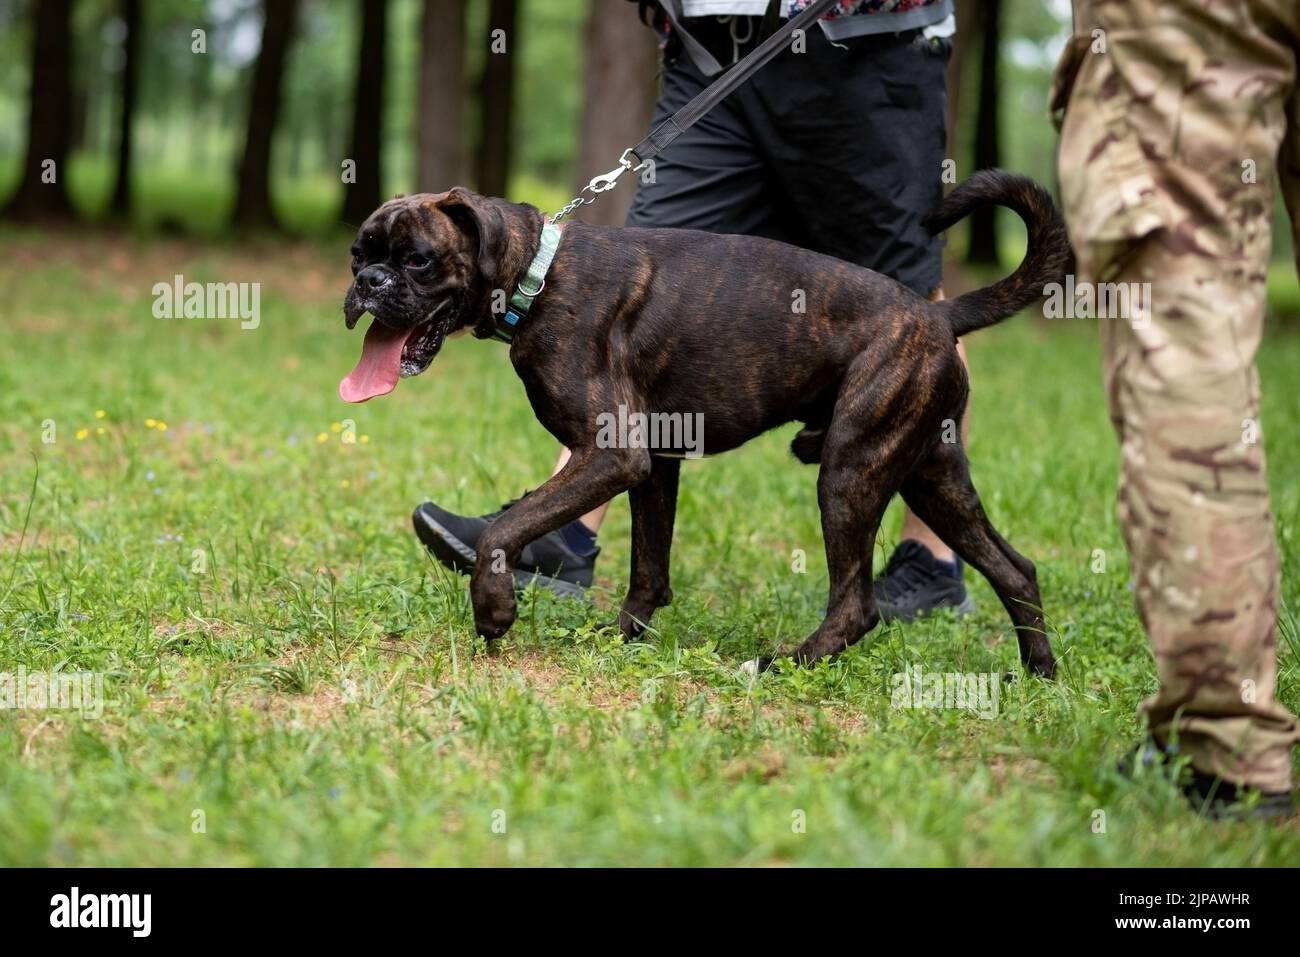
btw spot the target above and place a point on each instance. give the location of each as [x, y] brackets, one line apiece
[662, 135]
[681, 121]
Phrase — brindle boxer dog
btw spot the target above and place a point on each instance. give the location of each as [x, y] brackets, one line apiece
[680, 321]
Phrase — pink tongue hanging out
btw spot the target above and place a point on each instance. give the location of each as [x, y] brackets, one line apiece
[380, 364]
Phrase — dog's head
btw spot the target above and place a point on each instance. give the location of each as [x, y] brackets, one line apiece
[422, 266]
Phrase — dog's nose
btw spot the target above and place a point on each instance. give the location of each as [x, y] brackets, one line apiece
[373, 278]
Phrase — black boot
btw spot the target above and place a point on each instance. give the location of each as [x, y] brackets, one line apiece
[1208, 794]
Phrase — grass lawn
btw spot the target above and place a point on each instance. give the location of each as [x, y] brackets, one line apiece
[288, 680]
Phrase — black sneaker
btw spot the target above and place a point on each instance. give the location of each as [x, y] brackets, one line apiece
[916, 583]
[549, 560]
[1208, 794]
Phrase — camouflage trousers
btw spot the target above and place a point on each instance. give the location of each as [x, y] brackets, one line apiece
[1175, 117]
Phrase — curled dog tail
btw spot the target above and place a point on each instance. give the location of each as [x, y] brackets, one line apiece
[1047, 260]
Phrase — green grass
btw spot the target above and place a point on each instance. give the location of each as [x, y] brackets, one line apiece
[315, 690]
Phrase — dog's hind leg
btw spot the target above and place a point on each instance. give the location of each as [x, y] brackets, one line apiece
[940, 492]
[851, 507]
[654, 506]
[861, 469]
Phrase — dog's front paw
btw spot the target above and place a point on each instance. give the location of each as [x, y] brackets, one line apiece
[633, 621]
[756, 666]
[494, 605]
[494, 621]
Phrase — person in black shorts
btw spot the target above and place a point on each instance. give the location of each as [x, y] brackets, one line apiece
[839, 149]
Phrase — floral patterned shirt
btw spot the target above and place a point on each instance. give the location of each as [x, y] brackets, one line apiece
[847, 18]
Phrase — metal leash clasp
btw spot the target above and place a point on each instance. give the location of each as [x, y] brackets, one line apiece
[607, 181]
[600, 184]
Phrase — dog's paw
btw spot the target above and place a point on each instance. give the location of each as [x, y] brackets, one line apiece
[494, 622]
[755, 666]
[1044, 666]
[495, 608]
[632, 624]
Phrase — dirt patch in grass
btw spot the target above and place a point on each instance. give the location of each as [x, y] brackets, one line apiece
[297, 272]
[549, 681]
[36, 540]
[39, 732]
[1020, 769]
[765, 764]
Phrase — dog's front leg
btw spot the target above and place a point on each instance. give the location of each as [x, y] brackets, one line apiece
[654, 506]
[590, 478]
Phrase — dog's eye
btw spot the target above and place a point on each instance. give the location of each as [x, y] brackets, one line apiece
[417, 261]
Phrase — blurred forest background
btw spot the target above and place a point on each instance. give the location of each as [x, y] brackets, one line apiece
[211, 117]
[247, 123]
[182, 514]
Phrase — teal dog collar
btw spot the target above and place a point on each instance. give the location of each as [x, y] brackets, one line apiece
[531, 286]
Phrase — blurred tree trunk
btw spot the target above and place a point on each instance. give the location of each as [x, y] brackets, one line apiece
[49, 122]
[121, 203]
[362, 197]
[963, 42]
[253, 201]
[203, 118]
[332, 143]
[983, 248]
[618, 98]
[496, 99]
[440, 147]
[81, 121]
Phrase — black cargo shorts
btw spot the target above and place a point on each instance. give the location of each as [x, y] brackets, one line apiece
[838, 149]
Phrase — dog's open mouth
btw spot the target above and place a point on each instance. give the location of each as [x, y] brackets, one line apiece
[390, 354]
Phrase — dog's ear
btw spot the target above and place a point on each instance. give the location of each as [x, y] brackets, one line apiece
[481, 220]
